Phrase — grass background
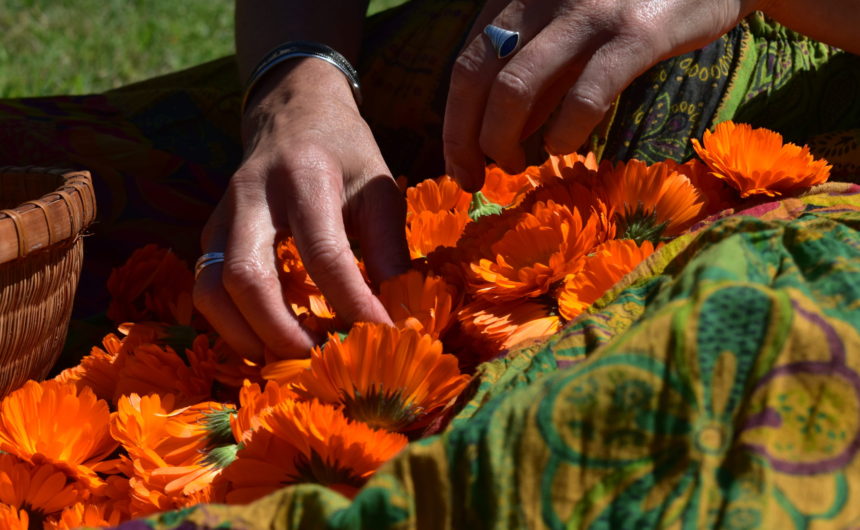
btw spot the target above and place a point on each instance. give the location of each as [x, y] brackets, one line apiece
[82, 46]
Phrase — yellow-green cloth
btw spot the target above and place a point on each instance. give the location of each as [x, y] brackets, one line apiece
[718, 386]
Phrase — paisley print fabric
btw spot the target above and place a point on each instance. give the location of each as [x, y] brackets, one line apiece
[759, 73]
[717, 386]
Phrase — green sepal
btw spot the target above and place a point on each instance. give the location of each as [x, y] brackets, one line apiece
[482, 206]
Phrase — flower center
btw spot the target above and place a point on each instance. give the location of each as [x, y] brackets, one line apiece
[381, 409]
[641, 225]
[315, 469]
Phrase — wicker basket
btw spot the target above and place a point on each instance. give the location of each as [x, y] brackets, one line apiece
[42, 215]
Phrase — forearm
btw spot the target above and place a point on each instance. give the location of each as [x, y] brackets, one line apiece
[834, 22]
[263, 24]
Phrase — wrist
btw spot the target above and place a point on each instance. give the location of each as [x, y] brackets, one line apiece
[299, 78]
[305, 90]
[300, 50]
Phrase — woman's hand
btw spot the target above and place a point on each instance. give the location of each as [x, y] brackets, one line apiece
[313, 170]
[574, 58]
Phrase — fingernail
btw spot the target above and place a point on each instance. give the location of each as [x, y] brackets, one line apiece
[515, 165]
[466, 179]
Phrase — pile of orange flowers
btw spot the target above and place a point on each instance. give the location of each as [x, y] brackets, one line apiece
[164, 415]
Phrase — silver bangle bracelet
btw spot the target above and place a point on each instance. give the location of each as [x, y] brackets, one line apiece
[296, 49]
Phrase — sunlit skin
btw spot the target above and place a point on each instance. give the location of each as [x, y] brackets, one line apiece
[331, 418]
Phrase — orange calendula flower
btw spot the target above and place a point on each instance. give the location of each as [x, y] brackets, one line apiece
[55, 422]
[174, 453]
[230, 368]
[429, 299]
[479, 236]
[487, 329]
[758, 162]
[141, 425]
[12, 518]
[153, 369]
[298, 284]
[576, 190]
[427, 230]
[308, 441]
[650, 201]
[154, 284]
[285, 371]
[99, 370]
[395, 379]
[318, 317]
[540, 249]
[717, 193]
[254, 403]
[503, 188]
[562, 166]
[84, 514]
[610, 262]
[436, 195]
[137, 334]
[147, 493]
[301, 293]
[41, 489]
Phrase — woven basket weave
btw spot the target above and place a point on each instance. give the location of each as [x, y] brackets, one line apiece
[42, 215]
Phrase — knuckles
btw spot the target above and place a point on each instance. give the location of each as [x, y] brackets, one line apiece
[239, 275]
[321, 253]
[467, 69]
[512, 88]
[588, 105]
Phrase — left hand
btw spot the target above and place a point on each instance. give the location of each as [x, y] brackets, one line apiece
[574, 57]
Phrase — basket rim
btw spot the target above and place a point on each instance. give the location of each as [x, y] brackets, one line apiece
[54, 219]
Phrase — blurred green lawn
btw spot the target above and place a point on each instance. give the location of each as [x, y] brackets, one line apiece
[82, 46]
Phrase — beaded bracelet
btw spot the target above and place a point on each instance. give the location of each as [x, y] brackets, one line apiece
[294, 49]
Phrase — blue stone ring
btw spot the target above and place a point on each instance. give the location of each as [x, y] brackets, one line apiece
[504, 41]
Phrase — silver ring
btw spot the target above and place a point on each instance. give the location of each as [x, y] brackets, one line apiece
[504, 41]
[210, 258]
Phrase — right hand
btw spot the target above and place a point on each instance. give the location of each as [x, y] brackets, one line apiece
[574, 58]
[311, 169]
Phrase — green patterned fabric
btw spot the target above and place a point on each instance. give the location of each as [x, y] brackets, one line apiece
[758, 73]
[718, 385]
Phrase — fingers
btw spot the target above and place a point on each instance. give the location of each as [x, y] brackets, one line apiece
[316, 220]
[472, 76]
[608, 72]
[250, 274]
[379, 211]
[215, 304]
[212, 300]
[242, 298]
[574, 58]
[529, 87]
